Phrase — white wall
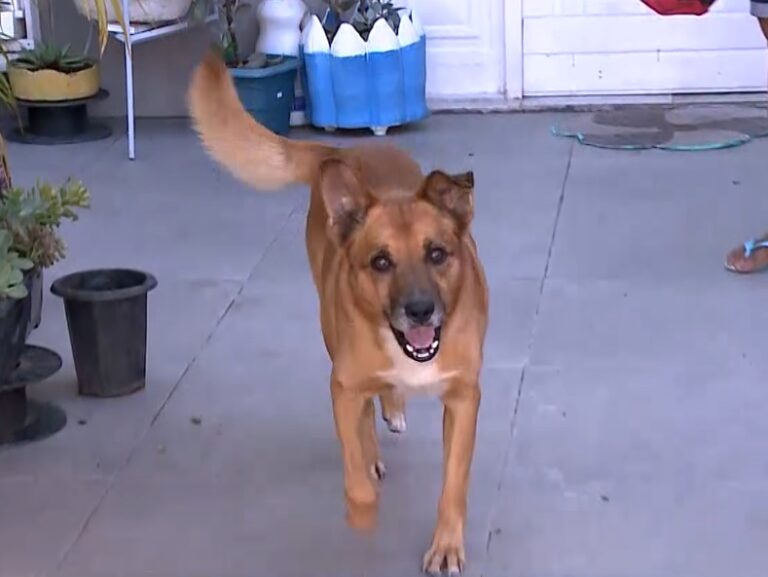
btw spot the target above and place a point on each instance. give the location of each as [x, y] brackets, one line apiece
[622, 47]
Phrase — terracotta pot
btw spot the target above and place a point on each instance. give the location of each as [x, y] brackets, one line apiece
[140, 11]
[53, 86]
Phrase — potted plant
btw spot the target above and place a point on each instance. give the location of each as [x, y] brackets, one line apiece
[47, 73]
[101, 8]
[50, 73]
[53, 84]
[264, 82]
[32, 218]
[29, 243]
[364, 66]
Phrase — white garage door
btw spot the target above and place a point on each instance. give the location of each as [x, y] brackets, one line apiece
[599, 47]
[465, 48]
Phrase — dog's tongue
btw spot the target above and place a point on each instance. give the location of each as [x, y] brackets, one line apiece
[420, 337]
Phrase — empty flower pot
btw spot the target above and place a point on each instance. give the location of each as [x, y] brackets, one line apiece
[107, 319]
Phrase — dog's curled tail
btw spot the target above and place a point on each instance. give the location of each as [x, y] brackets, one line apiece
[233, 138]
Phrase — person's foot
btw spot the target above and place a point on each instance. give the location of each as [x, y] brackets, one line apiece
[750, 257]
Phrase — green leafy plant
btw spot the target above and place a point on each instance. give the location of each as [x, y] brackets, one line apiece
[50, 57]
[361, 14]
[32, 218]
[12, 268]
[229, 44]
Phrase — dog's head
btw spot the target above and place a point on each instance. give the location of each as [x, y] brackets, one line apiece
[406, 255]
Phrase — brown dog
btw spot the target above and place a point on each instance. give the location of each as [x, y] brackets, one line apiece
[403, 299]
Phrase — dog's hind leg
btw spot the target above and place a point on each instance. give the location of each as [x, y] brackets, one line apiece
[393, 410]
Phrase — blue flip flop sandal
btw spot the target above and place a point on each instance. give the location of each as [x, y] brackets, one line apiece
[750, 247]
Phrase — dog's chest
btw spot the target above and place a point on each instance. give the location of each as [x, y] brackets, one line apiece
[411, 377]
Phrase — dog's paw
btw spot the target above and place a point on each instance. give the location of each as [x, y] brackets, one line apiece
[378, 471]
[446, 553]
[396, 423]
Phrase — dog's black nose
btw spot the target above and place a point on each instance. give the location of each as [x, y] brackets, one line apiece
[420, 310]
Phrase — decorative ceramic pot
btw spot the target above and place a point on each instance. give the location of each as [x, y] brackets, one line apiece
[376, 84]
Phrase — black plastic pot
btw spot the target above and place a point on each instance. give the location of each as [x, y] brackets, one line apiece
[107, 319]
[14, 322]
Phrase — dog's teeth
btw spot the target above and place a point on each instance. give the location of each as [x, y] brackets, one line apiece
[409, 348]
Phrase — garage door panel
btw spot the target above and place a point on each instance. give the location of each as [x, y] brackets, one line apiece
[593, 47]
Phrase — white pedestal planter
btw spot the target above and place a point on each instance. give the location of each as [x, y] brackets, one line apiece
[357, 84]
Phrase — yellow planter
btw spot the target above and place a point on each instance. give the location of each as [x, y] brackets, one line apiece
[53, 86]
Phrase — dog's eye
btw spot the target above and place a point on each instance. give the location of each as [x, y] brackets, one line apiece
[381, 262]
[437, 255]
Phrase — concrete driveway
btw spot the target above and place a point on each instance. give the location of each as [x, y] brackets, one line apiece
[623, 425]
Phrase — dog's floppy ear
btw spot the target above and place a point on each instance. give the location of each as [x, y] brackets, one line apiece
[452, 194]
[346, 199]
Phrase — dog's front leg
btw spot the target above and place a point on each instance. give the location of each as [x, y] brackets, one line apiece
[349, 408]
[461, 405]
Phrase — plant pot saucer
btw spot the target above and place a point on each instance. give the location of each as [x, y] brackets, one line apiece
[22, 419]
[43, 420]
[60, 122]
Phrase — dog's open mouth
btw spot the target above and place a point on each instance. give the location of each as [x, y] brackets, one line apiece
[419, 343]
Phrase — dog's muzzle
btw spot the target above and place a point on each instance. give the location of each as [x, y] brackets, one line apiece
[418, 329]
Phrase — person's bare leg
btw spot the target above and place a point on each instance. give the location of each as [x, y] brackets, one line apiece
[752, 256]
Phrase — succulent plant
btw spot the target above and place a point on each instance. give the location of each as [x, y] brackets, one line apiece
[12, 268]
[361, 14]
[50, 57]
[32, 218]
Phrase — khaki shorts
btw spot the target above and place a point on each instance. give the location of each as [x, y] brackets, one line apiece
[759, 8]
